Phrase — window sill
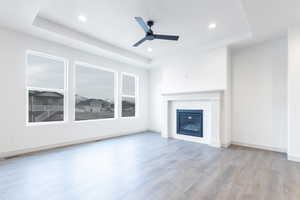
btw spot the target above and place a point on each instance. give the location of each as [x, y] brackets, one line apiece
[135, 117]
[94, 120]
[30, 124]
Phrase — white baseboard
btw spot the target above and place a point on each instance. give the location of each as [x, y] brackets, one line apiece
[259, 147]
[153, 131]
[216, 145]
[226, 145]
[63, 144]
[294, 158]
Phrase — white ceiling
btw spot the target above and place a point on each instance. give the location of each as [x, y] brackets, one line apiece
[112, 22]
[271, 17]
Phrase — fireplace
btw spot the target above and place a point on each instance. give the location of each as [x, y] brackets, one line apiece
[207, 104]
[190, 122]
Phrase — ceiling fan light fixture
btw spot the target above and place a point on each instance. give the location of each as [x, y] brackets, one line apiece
[149, 49]
[212, 26]
[82, 18]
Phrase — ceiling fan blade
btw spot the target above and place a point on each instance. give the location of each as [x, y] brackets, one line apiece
[166, 37]
[142, 23]
[140, 42]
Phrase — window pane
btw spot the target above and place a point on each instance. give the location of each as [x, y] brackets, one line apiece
[128, 107]
[128, 86]
[44, 72]
[94, 93]
[45, 106]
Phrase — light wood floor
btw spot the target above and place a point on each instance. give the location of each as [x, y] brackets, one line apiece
[147, 167]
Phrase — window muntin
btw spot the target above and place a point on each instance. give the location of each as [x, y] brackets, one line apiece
[46, 88]
[95, 93]
[128, 96]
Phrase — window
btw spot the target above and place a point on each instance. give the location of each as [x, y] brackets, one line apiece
[95, 92]
[46, 88]
[129, 93]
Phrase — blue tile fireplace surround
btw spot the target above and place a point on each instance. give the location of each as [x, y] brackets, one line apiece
[190, 122]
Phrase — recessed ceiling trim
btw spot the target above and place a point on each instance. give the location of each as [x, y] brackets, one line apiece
[103, 46]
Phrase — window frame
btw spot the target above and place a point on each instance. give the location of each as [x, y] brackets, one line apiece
[116, 96]
[135, 96]
[64, 91]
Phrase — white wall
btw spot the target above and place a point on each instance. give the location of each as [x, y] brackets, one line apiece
[185, 71]
[193, 70]
[155, 99]
[294, 94]
[15, 135]
[227, 107]
[259, 95]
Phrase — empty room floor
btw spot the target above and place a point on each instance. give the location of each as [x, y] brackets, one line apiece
[147, 167]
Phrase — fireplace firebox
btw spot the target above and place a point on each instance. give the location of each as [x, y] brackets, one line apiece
[190, 122]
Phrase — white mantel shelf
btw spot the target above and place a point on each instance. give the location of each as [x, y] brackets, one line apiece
[191, 92]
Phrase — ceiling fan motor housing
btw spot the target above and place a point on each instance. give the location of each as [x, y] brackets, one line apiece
[150, 23]
[149, 34]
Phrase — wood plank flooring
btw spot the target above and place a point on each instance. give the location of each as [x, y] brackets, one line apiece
[148, 167]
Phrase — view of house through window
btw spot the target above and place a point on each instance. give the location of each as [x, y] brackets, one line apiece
[45, 87]
[95, 93]
[95, 90]
[128, 96]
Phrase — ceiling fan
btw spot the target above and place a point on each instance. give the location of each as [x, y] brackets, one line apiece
[149, 33]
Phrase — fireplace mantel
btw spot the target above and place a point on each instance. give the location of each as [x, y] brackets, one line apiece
[210, 101]
[191, 92]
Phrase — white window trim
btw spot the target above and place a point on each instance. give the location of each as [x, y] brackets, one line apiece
[136, 96]
[64, 90]
[116, 102]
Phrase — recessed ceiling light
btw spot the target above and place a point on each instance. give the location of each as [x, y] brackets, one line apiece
[149, 49]
[82, 18]
[212, 26]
